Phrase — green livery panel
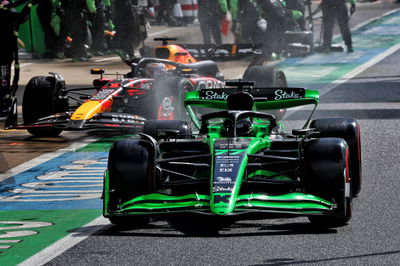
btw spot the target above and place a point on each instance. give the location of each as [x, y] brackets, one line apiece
[156, 203]
[241, 162]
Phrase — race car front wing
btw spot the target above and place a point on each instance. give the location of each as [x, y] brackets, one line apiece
[100, 121]
[298, 204]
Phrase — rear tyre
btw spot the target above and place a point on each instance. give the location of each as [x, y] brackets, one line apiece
[130, 166]
[349, 130]
[168, 94]
[41, 99]
[159, 129]
[326, 162]
[267, 77]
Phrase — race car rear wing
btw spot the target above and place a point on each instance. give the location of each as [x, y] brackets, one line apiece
[221, 52]
[264, 98]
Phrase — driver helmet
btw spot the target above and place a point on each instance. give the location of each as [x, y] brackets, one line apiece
[154, 70]
[243, 127]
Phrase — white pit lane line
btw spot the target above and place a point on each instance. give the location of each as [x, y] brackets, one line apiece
[99, 223]
[359, 69]
[67, 242]
[349, 76]
[43, 158]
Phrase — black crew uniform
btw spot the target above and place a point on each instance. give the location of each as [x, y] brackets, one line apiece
[336, 10]
[54, 46]
[74, 24]
[299, 6]
[276, 16]
[165, 13]
[249, 14]
[211, 12]
[127, 26]
[99, 21]
[10, 20]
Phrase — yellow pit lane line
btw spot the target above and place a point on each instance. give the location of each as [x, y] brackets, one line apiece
[9, 130]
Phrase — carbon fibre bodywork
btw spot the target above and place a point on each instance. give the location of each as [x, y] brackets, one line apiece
[125, 102]
[241, 163]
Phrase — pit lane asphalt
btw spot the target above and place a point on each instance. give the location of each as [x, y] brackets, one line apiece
[17, 147]
[371, 238]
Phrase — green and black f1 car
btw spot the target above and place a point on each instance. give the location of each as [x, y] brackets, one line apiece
[241, 163]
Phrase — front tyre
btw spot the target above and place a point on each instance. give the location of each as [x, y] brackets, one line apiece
[326, 175]
[130, 173]
[41, 99]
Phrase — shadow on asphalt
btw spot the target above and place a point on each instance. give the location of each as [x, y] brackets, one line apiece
[291, 261]
[238, 229]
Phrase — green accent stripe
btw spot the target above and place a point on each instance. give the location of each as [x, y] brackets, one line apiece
[290, 203]
[287, 206]
[63, 222]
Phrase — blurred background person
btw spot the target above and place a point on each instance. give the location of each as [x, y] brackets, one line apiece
[130, 26]
[109, 26]
[297, 6]
[165, 13]
[261, 22]
[75, 25]
[336, 10]
[50, 21]
[211, 13]
[10, 20]
[245, 16]
[277, 18]
[98, 26]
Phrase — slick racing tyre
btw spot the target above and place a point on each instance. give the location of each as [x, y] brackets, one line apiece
[41, 99]
[326, 175]
[168, 94]
[349, 130]
[267, 77]
[159, 129]
[130, 173]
